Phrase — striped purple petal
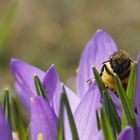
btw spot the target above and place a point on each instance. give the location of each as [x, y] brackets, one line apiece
[99, 48]
[43, 120]
[98, 136]
[52, 86]
[85, 114]
[24, 75]
[23, 96]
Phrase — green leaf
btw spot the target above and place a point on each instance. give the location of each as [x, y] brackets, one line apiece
[6, 106]
[39, 88]
[98, 120]
[65, 103]
[60, 135]
[128, 112]
[5, 27]
[124, 121]
[108, 104]
[131, 88]
[106, 127]
[20, 128]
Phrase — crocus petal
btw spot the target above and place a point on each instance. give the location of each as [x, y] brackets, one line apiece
[99, 48]
[129, 133]
[24, 75]
[85, 114]
[53, 88]
[138, 85]
[43, 120]
[5, 133]
[23, 96]
[137, 116]
[98, 136]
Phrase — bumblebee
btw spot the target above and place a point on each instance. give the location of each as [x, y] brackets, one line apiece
[119, 63]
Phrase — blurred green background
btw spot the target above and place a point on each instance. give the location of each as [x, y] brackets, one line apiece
[42, 32]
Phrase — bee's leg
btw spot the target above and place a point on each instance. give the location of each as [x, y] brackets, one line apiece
[103, 67]
[90, 81]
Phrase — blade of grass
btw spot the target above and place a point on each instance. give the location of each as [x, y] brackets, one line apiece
[65, 103]
[5, 27]
[20, 128]
[40, 90]
[98, 120]
[6, 106]
[70, 116]
[60, 135]
[106, 127]
[108, 104]
[124, 121]
[128, 112]
[131, 88]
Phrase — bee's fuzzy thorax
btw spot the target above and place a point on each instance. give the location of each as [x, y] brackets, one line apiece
[119, 63]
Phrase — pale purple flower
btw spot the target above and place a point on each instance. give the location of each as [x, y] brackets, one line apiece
[24, 75]
[98, 49]
[41, 111]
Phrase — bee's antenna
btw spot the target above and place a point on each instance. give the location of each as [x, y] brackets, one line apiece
[131, 60]
[105, 61]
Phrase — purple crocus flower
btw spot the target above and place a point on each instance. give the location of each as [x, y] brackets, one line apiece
[40, 109]
[5, 133]
[24, 75]
[98, 49]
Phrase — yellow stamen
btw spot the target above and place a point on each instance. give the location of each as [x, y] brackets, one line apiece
[77, 70]
[40, 136]
[15, 135]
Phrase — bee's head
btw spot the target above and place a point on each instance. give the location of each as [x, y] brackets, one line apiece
[120, 61]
